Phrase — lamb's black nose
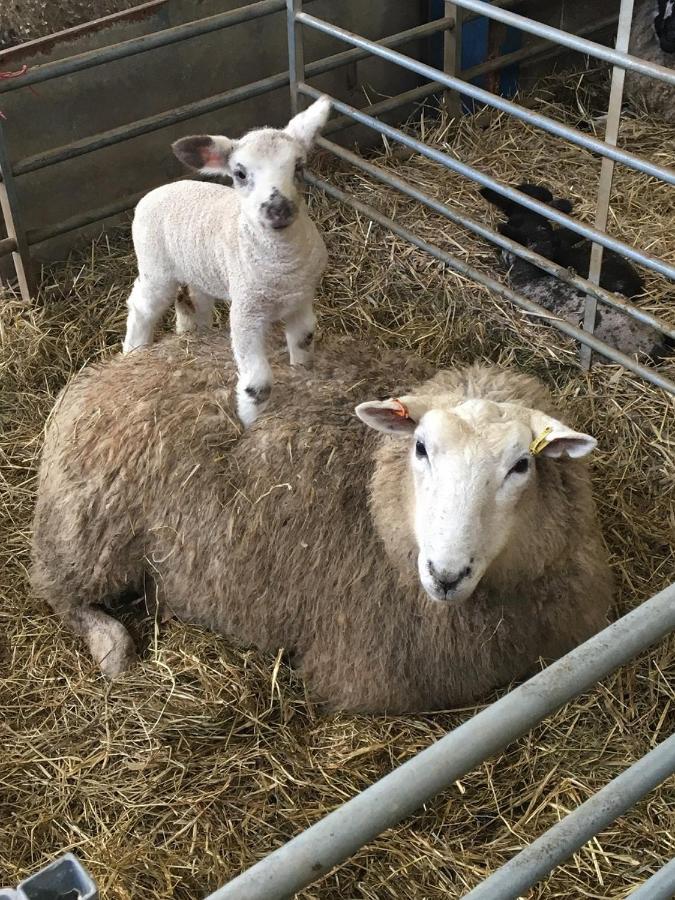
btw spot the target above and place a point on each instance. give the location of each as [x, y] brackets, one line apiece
[279, 210]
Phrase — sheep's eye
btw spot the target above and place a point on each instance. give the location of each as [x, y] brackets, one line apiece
[240, 173]
[420, 450]
[520, 467]
[298, 168]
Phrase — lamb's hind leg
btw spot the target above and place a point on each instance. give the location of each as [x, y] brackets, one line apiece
[148, 301]
[110, 643]
[194, 312]
[300, 335]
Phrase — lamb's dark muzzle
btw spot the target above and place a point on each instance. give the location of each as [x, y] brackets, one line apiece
[279, 211]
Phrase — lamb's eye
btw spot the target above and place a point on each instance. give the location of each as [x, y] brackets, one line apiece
[420, 450]
[298, 168]
[240, 174]
[520, 467]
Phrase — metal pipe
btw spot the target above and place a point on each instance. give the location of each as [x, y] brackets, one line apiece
[534, 51]
[539, 49]
[661, 886]
[151, 123]
[573, 135]
[650, 375]
[142, 44]
[38, 235]
[336, 837]
[606, 175]
[500, 240]
[296, 52]
[588, 48]
[444, 159]
[569, 834]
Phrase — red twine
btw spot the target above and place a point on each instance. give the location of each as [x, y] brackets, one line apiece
[17, 74]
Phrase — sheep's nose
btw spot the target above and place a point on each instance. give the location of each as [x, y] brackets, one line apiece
[279, 210]
[448, 581]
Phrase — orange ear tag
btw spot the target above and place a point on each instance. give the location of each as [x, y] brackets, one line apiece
[399, 409]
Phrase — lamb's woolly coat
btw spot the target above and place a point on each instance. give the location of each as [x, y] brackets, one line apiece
[644, 93]
[295, 533]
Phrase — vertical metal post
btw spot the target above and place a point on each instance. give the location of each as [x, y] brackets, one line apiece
[452, 56]
[296, 55]
[606, 173]
[10, 211]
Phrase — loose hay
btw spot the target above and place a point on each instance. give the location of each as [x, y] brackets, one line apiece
[198, 763]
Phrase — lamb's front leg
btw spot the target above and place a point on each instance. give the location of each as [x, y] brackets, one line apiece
[300, 326]
[254, 385]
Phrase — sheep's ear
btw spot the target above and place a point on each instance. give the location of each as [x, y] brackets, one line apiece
[554, 439]
[204, 152]
[305, 126]
[497, 200]
[395, 416]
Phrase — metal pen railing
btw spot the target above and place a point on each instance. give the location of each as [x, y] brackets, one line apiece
[336, 837]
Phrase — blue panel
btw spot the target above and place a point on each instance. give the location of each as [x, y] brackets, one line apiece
[475, 51]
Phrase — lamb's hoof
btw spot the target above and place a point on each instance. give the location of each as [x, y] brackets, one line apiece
[251, 402]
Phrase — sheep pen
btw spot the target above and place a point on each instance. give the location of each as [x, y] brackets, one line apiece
[205, 757]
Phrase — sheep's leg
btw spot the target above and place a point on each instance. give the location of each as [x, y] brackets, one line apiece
[254, 385]
[300, 335]
[110, 643]
[194, 312]
[148, 301]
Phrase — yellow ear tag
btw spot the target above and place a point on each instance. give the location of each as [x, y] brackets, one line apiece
[400, 409]
[540, 442]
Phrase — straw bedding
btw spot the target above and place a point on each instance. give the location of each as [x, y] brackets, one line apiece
[203, 759]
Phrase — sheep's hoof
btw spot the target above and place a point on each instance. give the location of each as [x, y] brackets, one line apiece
[114, 653]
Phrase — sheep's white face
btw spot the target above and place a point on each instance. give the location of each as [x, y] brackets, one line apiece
[265, 165]
[471, 466]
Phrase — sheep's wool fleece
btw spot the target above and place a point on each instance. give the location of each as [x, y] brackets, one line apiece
[274, 536]
[644, 93]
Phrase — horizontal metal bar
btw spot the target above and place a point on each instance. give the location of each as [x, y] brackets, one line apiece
[7, 246]
[650, 375]
[319, 66]
[565, 39]
[541, 49]
[334, 838]
[529, 116]
[569, 834]
[533, 51]
[661, 886]
[210, 104]
[152, 123]
[38, 235]
[444, 159]
[142, 44]
[384, 106]
[494, 237]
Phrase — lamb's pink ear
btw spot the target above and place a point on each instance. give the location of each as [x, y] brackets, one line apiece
[305, 126]
[554, 439]
[204, 152]
[395, 416]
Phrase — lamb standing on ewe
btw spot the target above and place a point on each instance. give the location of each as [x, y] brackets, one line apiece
[416, 564]
[568, 249]
[652, 38]
[254, 244]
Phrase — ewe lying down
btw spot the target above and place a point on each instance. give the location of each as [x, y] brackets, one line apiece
[415, 564]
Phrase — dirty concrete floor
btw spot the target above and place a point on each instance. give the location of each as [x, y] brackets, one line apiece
[25, 20]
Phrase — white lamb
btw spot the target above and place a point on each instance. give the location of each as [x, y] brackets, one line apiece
[254, 245]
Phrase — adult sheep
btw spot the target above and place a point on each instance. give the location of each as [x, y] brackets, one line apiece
[416, 564]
